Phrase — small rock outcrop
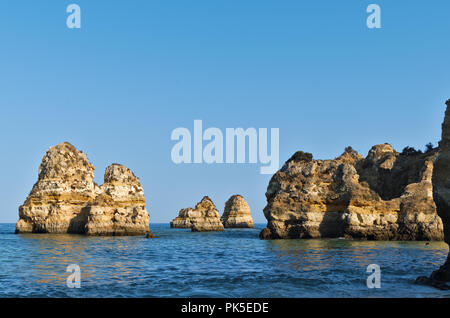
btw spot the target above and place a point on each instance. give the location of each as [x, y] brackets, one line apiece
[441, 194]
[385, 196]
[183, 220]
[65, 199]
[204, 217]
[236, 213]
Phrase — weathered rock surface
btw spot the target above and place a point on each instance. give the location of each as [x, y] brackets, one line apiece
[119, 209]
[205, 217]
[441, 194]
[385, 196]
[65, 199]
[183, 220]
[236, 213]
[58, 200]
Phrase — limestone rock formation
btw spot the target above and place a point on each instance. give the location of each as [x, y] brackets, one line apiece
[236, 213]
[183, 220]
[119, 209]
[385, 196]
[204, 217]
[58, 200]
[441, 194]
[65, 199]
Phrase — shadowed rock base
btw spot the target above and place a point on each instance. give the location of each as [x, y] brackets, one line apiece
[441, 195]
[438, 278]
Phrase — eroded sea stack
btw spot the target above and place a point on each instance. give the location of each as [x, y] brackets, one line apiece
[65, 199]
[441, 194]
[236, 213]
[385, 196]
[119, 209]
[204, 217]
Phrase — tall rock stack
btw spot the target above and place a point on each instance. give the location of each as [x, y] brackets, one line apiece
[441, 195]
[65, 199]
[385, 196]
[58, 200]
[236, 213]
[120, 207]
[204, 217]
[441, 176]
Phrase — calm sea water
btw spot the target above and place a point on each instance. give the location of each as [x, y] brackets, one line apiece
[234, 263]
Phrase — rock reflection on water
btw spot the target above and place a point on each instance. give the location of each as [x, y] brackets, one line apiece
[233, 263]
[52, 253]
[320, 254]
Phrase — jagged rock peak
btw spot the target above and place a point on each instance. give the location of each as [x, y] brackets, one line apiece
[300, 156]
[120, 174]
[205, 217]
[382, 154]
[205, 204]
[65, 162]
[350, 155]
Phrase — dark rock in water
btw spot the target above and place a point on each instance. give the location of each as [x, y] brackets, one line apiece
[441, 194]
[265, 234]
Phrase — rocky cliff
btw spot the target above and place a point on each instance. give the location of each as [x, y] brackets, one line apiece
[65, 199]
[236, 213]
[441, 194]
[204, 217]
[385, 196]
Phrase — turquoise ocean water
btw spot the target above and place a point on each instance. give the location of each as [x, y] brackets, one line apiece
[234, 263]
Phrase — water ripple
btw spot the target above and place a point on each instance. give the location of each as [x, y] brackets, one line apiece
[234, 263]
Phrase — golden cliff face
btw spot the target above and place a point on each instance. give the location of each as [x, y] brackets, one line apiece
[204, 217]
[65, 199]
[236, 213]
[385, 196]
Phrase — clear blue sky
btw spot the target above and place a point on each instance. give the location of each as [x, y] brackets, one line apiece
[136, 70]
